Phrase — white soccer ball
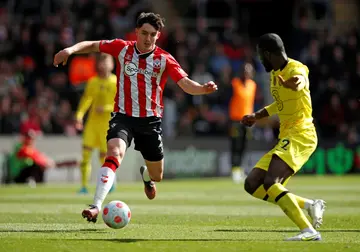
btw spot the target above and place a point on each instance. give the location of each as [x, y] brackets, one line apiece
[116, 214]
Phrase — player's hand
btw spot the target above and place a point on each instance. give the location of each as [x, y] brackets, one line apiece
[210, 87]
[99, 109]
[50, 163]
[249, 120]
[79, 124]
[291, 83]
[62, 57]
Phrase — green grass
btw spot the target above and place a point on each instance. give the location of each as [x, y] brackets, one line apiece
[187, 215]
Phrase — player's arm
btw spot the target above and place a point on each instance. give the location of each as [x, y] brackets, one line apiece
[189, 86]
[85, 102]
[79, 48]
[111, 47]
[297, 80]
[84, 47]
[250, 120]
[194, 88]
[295, 83]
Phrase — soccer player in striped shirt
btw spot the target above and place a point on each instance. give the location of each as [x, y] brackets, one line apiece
[142, 69]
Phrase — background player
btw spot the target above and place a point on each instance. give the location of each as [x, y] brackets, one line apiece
[99, 97]
[297, 139]
[241, 104]
[142, 71]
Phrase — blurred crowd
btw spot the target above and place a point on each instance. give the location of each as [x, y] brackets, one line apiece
[34, 94]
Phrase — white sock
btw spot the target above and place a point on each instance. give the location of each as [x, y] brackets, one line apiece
[146, 175]
[104, 183]
[308, 204]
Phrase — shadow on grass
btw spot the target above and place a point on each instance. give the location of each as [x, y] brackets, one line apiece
[93, 230]
[286, 230]
[132, 240]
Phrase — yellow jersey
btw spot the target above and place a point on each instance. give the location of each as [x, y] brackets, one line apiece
[98, 93]
[294, 108]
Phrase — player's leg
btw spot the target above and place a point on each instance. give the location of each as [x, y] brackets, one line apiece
[149, 143]
[254, 182]
[24, 175]
[151, 172]
[119, 138]
[277, 173]
[88, 144]
[254, 185]
[106, 176]
[85, 169]
[102, 157]
[295, 153]
[238, 141]
[38, 173]
[304, 203]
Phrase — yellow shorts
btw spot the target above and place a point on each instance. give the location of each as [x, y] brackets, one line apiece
[293, 149]
[94, 136]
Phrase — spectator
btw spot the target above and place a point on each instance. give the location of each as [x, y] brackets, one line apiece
[33, 94]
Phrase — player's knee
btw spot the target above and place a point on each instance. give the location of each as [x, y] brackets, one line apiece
[268, 182]
[115, 149]
[249, 186]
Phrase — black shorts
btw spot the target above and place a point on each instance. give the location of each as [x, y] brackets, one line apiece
[146, 132]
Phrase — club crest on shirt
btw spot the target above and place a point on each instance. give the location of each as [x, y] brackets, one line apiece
[157, 63]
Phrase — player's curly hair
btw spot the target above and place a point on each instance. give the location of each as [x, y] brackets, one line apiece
[151, 18]
[271, 42]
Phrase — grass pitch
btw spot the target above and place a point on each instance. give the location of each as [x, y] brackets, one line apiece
[187, 215]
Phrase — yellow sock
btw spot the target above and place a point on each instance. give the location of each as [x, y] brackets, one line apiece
[236, 168]
[102, 159]
[289, 205]
[260, 193]
[300, 200]
[85, 167]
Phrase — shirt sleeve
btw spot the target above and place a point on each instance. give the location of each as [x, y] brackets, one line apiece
[36, 156]
[303, 73]
[112, 47]
[174, 69]
[85, 101]
[300, 70]
[272, 109]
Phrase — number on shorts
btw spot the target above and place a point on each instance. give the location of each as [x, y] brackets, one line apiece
[286, 143]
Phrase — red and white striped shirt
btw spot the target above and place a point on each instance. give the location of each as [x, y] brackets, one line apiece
[141, 80]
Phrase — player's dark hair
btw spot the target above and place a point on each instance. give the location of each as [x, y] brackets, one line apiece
[151, 18]
[272, 43]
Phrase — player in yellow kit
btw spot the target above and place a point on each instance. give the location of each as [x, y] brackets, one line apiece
[297, 139]
[99, 97]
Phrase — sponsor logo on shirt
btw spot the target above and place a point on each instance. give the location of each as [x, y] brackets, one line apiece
[131, 69]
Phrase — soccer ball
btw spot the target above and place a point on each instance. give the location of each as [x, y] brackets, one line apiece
[116, 214]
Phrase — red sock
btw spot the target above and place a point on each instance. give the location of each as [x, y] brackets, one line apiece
[111, 162]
